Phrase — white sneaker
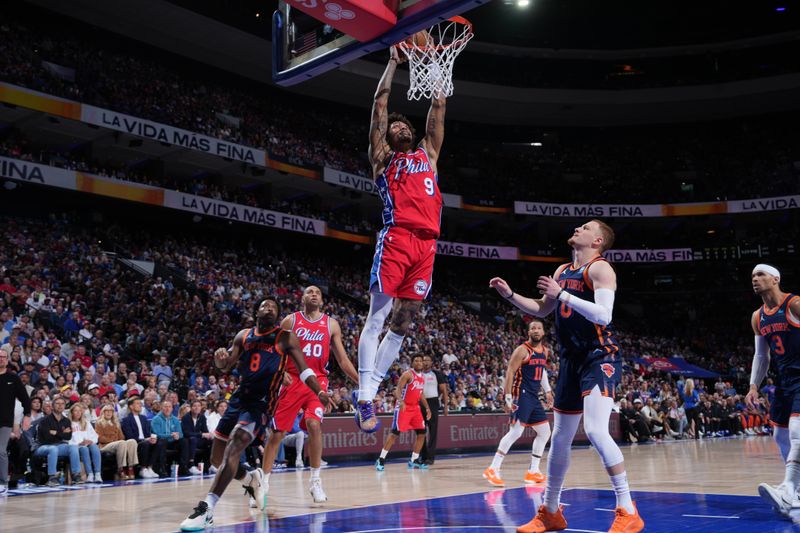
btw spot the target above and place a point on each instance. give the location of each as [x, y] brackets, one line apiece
[260, 487]
[98, 478]
[148, 473]
[3, 489]
[299, 464]
[90, 478]
[323, 462]
[777, 497]
[200, 519]
[316, 491]
[195, 471]
[212, 469]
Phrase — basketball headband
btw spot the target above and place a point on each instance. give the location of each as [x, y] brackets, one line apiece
[767, 269]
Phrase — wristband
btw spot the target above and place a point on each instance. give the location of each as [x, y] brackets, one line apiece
[305, 374]
[509, 400]
[510, 296]
[320, 392]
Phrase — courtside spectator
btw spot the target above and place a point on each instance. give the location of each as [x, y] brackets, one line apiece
[53, 434]
[110, 438]
[136, 426]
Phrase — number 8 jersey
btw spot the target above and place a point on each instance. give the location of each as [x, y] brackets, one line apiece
[410, 192]
[782, 332]
[315, 342]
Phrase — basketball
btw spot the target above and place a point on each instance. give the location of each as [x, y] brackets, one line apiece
[421, 38]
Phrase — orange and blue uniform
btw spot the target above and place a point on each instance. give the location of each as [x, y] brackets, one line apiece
[412, 212]
[528, 409]
[260, 368]
[315, 342]
[782, 333]
[589, 354]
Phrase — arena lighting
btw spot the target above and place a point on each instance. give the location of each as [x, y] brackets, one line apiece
[780, 9]
[536, 144]
[523, 3]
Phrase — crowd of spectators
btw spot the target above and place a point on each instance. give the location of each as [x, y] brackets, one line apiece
[83, 330]
[659, 164]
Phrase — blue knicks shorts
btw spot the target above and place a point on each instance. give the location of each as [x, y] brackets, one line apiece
[785, 405]
[577, 378]
[251, 415]
[528, 410]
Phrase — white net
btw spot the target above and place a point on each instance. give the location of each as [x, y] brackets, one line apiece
[430, 61]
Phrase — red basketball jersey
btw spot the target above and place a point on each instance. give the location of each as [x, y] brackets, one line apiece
[413, 390]
[410, 192]
[315, 342]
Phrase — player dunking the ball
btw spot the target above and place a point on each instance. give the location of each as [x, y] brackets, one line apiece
[776, 325]
[318, 334]
[525, 376]
[402, 270]
[260, 354]
[582, 295]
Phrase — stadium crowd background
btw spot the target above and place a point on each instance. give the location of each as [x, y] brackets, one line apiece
[73, 316]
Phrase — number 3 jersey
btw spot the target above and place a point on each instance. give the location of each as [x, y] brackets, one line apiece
[782, 332]
[315, 343]
[410, 192]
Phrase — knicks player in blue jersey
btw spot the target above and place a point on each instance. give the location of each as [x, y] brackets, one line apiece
[525, 377]
[776, 325]
[259, 354]
[582, 295]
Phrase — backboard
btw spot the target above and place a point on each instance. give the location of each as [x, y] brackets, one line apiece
[303, 47]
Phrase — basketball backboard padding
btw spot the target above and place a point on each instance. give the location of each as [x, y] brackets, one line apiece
[412, 16]
[363, 20]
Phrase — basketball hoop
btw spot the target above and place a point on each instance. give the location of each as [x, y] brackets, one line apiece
[431, 62]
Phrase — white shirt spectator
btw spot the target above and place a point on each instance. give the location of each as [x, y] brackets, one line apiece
[79, 435]
[212, 421]
[449, 359]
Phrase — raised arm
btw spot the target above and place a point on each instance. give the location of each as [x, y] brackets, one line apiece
[225, 359]
[379, 124]
[337, 347]
[604, 281]
[540, 307]
[434, 129]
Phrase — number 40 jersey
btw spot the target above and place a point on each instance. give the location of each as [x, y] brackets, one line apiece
[315, 342]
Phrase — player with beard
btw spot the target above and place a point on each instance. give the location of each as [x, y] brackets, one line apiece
[776, 325]
[525, 377]
[260, 354]
[402, 269]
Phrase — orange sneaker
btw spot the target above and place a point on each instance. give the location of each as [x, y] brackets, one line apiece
[493, 478]
[537, 477]
[625, 522]
[545, 521]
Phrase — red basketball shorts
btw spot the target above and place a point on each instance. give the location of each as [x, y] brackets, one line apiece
[295, 397]
[403, 264]
[408, 419]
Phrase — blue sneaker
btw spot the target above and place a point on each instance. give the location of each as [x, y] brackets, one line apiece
[364, 412]
[379, 465]
[411, 465]
[417, 464]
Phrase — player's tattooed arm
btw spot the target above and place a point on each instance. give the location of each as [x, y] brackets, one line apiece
[337, 347]
[403, 313]
[291, 347]
[513, 365]
[398, 390]
[434, 129]
[379, 124]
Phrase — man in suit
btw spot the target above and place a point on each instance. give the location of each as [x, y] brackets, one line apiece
[196, 437]
[136, 426]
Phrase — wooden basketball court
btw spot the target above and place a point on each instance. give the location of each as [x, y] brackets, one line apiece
[691, 485]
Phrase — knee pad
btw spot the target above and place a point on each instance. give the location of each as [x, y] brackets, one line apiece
[516, 431]
[542, 430]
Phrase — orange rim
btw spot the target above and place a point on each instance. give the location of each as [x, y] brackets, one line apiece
[439, 47]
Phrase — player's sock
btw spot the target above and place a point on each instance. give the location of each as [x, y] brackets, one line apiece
[414, 456]
[537, 448]
[623, 492]
[315, 473]
[384, 453]
[497, 461]
[379, 308]
[211, 500]
[387, 355]
[535, 460]
[564, 429]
